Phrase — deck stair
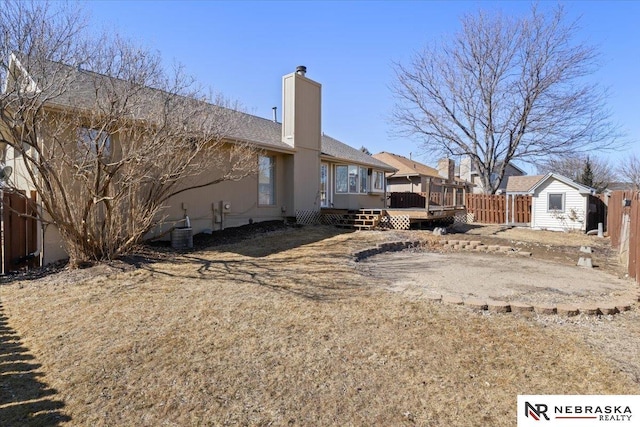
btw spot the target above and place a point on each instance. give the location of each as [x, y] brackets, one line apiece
[363, 219]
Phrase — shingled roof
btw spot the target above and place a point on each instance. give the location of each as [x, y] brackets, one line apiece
[406, 167]
[337, 150]
[84, 88]
[529, 183]
[522, 184]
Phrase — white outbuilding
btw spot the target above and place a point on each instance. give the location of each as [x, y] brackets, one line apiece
[558, 203]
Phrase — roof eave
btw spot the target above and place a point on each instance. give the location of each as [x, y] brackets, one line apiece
[335, 159]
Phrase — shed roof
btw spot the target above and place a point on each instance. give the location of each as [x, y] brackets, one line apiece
[522, 184]
[529, 183]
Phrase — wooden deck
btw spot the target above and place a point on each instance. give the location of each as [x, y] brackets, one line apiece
[421, 214]
[367, 219]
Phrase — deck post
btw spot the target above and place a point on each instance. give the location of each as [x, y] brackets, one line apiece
[506, 216]
[428, 194]
[445, 187]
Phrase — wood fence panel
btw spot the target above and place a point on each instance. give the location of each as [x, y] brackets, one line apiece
[634, 236]
[487, 208]
[20, 231]
[492, 208]
[623, 205]
[615, 215]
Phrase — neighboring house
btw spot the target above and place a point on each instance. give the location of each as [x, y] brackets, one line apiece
[439, 185]
[558, 203]
[469, 173]
[307, 170]
[410, 176]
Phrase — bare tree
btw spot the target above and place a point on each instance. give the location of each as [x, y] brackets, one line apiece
[103, 133]
[504, 89]
[595, 172]
[629, 170]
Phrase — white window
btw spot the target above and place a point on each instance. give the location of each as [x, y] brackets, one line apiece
[92, 142]
[342, 179]
[324, 185]
[364, 180]
[266, 181]
[355, 179]
[555, 202]
[378, 181]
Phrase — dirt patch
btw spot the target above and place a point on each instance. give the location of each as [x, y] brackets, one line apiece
[498, 277]
[281, 329]
[560, 247]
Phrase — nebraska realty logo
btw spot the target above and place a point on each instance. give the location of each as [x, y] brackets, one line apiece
[576, 410]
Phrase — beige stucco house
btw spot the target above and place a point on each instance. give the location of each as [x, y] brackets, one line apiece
[302, 170]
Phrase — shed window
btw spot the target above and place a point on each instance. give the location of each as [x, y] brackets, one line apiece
[556, 202]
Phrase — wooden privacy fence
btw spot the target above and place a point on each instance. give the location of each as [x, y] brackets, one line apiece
[623, 226]
[494, 208]
[19, 231]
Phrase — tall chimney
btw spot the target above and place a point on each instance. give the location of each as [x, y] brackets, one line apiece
[302, 130]
[446, 169]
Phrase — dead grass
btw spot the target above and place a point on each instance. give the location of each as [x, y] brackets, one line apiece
[282, 330]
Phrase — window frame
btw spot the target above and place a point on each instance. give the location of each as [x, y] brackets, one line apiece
[325, 185]
[272, 181]
[345, 189]
[91, 144]
[359, 175]
[562, 202]
[379, 174]
[363, 178]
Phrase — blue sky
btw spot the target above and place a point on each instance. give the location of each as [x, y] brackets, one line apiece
[242, 49]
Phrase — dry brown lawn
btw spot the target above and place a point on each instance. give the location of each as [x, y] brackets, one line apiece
[277, 330]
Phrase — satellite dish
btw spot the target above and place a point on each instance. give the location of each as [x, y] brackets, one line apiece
[5, 172]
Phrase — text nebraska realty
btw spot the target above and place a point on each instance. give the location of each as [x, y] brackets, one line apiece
[601, 413]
